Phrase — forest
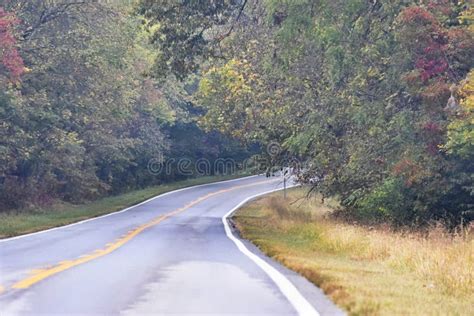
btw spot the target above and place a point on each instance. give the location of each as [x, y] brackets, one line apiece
[82, 113]
[374, 98]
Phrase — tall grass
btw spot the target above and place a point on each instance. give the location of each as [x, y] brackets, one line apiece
[365, 269]
[442, 258]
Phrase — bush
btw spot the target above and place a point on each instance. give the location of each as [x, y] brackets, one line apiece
[391, 201]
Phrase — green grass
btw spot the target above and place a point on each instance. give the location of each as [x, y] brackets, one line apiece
[22, 222]
[365, 270]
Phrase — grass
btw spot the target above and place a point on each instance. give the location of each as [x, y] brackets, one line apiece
[365, 270]
[22, 222]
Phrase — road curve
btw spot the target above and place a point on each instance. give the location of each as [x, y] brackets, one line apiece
[173, 254]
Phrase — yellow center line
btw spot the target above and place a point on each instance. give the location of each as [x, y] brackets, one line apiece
[41, 274]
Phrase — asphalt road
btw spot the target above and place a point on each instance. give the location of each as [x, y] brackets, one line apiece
[173, 254]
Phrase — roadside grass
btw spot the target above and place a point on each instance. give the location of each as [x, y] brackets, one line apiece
[365, 270]
[28, 221]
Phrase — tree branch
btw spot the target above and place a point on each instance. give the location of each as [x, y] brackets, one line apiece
[233, 23]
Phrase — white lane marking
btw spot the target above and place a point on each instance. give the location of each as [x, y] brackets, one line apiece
[302, 306]
[121, 211]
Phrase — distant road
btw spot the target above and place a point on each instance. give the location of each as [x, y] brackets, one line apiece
[173, 254]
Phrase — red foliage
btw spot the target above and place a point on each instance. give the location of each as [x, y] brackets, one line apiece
[9, 56]
[427, 40]
[417, 15]
[461, 45]
[431, 67]
[441, 7]
[407, 169]
[461, 38]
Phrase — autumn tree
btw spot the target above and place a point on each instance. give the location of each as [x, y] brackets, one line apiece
[357, 89]
[10, 60]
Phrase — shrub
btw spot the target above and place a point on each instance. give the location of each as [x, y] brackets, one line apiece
[391, 201]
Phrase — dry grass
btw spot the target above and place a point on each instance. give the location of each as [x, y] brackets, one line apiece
[366, 270]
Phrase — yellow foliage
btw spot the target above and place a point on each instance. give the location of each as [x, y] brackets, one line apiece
[467, 17]
[467, 92]
[461, 129]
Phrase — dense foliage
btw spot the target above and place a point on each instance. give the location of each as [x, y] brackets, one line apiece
[10, 59]
[375, 97]
[371, 95]
[81, 117]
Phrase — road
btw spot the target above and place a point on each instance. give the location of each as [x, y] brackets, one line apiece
[173, 254]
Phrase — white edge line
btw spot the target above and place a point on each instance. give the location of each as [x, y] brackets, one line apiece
[121, 211]
[299, 302]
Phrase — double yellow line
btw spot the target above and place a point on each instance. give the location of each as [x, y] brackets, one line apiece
[41, 274]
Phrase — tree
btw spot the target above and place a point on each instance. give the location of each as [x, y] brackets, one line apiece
[187, 32]
[356, 88]
[87, 116]
[10, 60]
[84, 115]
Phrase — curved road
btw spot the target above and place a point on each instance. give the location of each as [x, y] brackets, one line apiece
[173, 254]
